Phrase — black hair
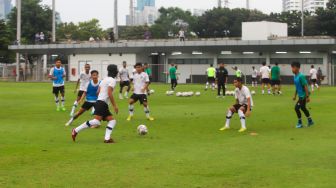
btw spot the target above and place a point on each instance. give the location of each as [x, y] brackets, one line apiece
[296, 64]
[276, 64]
[312, 66]
[211, 65]
[253, 67]
[138, 64]
[94, 71]
[58, 59]
[124, 62]
[263, 63]
[146, 64]
[238, 79]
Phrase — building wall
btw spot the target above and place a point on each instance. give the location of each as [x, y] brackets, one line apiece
[308, 5]
[263, 30]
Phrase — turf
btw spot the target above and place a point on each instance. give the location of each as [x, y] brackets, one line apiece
[183, 148]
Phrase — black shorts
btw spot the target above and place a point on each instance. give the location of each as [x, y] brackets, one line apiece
[139, 97]
[265, 81]
[88, 105]
[102, 109]
[238, 106]
[80, 93]
[314, 81]
[57, 90]
[211, 79]
[254, 79]
[124, 83]
[275, 82]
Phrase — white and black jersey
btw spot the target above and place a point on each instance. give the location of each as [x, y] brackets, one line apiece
[139, 82]
[242, 95]
[124, 75]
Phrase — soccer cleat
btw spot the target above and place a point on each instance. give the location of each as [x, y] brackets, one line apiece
[129, 118]
[150, 118]
[63, 109]
[111, 141]
[73, 135]
[224, 128]
[242, 130]
[310, 123]
[299, 126]
[121, 97]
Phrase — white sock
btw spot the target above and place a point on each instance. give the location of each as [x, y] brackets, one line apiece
[213, 86]
[207, 85]
[74, 107]
[146, 109]
[131, 109]
[263, 91]
[87, 124]
[312, 87]
[109, 129]
[317, 86]
[63, 100]
[228, 118]
[242, 118]
[126, 94]
[92, 110]
[57, 101]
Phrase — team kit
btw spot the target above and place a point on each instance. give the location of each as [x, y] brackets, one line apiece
[96, 95]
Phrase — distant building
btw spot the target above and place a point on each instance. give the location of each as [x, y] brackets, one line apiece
[145, 13]
[308, 5]
[5, 8]
[141, 4]
[198, 12]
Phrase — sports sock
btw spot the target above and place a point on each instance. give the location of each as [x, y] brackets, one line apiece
[74, 107]
[228, 118]
[63, 100]
[242, 118]
[109, 128]
[131, 109]
[312, 87]
[263, 91]
[207, 85]
[57, 101]
[300, 121]
[87, 124]
[146, 109]
[317, 86]
[92, 110]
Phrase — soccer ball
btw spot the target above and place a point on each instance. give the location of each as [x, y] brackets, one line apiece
[169, 93]
[151, 91]
[253, 92]
[178, 94]
[142, 130]
[198, 93]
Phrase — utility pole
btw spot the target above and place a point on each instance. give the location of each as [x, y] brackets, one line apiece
[219, 3]
[116, 35]
[302, 18]
[247, 4]
[53, 21]
[132, 12]
[18, 36]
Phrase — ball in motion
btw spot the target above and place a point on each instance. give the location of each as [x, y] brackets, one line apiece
[142, 130]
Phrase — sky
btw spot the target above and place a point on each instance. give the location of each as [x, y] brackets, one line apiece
[82, 10]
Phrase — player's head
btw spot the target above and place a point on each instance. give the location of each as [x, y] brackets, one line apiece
[276, 64]
[146, 65]
[295, 67]
[124, 64]
[138, 67]
[235, 68]
[221, 65]
[94, 75]
[58, 63]
[172, 64]
[238, 82]
[87, 68]
[211, 65]
[253, 67]
[263, 63]
[312, 66]
[112, 70]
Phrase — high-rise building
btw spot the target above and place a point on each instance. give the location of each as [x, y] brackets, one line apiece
[308, 5]
[141, 4]
[5, 8]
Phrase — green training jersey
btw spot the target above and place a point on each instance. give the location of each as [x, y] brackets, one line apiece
[275, 73]
[148, 71]
[211, 72]
[239, 73]
[172, 73]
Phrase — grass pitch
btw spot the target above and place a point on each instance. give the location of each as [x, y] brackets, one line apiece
[183, 148]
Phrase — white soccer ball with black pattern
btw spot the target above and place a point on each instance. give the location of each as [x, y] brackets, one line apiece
[198, 93]
[142, 130]
[253, 92]
[151, 91]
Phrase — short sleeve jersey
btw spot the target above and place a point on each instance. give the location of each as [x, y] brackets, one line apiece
[254, 73]
[172, 73]
[242, 95]
[58, 73]
[139, 82]
[124, 74]
[265, 71]
[275, 73]
[300, 82]
[211, 72]
[104, 85]
[84, 79]
[313, 74]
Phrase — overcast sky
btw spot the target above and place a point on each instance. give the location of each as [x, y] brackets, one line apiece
[82, 10]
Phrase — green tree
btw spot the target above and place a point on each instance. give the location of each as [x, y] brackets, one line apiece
[6, 38]
[35, 18]
[326, 19]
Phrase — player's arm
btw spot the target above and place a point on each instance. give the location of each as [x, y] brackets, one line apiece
[51, 74]
[295, 94]
[307, 93]
[114, 104]
[82, 98]
[248, 110]
[77, 84]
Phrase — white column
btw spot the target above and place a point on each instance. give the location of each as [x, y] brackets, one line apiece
[18, 36]
[116, 34]
[53, 21]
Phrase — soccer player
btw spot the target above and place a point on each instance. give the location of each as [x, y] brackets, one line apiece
[57, 75]
[221, 79]
[124, 81]
[238, 72]
[275, 79]
[173, 77]
[302, 91]
[148, 71]
[265, 78]
[140, 87]
[254, 77]
[90, 92]
[313, 78]
[84, 79]
[243, 106]
[102, 112]
[211, 72]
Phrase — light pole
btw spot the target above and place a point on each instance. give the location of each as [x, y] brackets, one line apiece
[116, 20]
[302, 18]
[53, 21]
[18, 36]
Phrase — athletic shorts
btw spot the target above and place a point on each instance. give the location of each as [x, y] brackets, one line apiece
[102, 109]
[314, 81]
[211, 79]
[88, 105]
[80, 93]
[139, 97]
[124, 83]
[238, 106]
[254, 79]
[57, 90]
[275, 82]
[265, 81]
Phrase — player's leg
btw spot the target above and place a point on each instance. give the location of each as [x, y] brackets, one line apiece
[268, 87]
[85, 125]
[298, 114]
[306, 111]
[79, 113]
[172, 84]
[241, 113]
[128, 89]
[229, 115]
[131, 102]
[75, 104]
[63, 98]
[146, 108]
[111, 123]
[219, 89]
[56, 93]
[121, 90]
[263, 86]
[224, 88]
[175, 83]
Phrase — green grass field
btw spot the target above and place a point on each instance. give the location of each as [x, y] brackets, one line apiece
[183, 148]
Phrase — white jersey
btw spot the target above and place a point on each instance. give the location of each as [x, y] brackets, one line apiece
[242, 95]
[84, 80]
[139, 82]
[254, 73]
[265, 72]
[313, 74]
[103, 86]
[124, 75]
